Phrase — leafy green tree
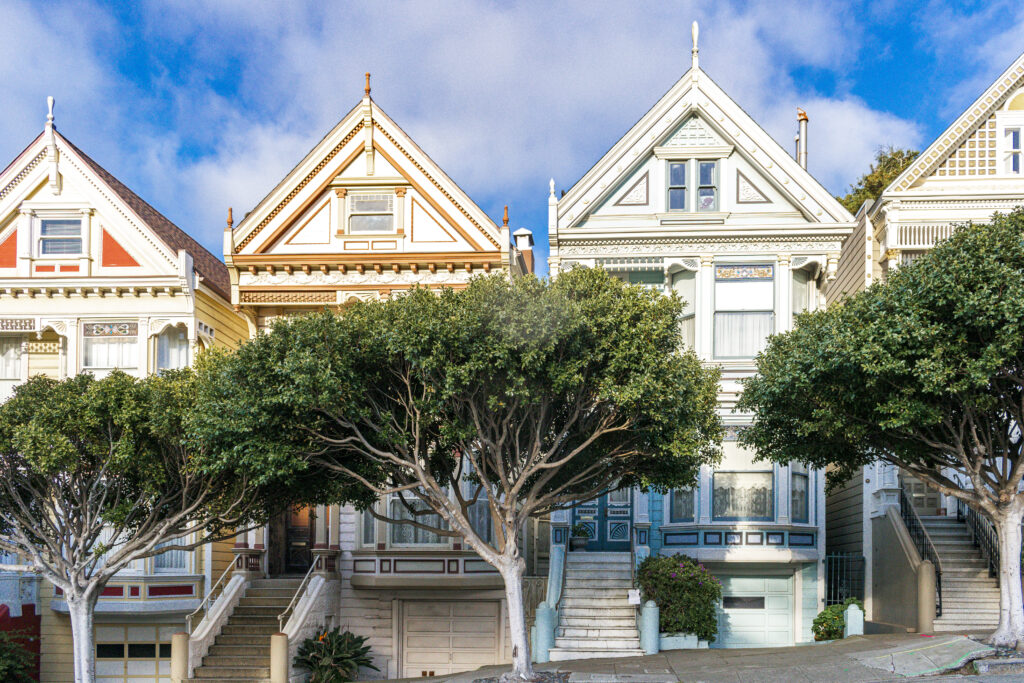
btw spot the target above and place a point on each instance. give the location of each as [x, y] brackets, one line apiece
[925, 371]
[520, 396]
[95, 474]
[889, 163]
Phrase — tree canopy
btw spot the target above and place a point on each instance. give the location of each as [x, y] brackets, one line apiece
[926, 371]
[523, 395]
[889, 163]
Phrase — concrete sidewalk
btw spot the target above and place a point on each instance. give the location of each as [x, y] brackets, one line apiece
[859, 658]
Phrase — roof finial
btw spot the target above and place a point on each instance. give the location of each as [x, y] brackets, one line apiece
[504, 218]
[49, 111]
[367, 88]
[231, 219]
[551, 187]
[694, 31]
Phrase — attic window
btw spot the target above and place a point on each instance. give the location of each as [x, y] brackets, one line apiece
[60, 237]
[371, 212]
[1013, 150]
[701, 174]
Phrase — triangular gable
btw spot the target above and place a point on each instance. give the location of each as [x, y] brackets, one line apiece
[971, 126]
[364, 128]
[681, 118]
[113, 255]
[9, 250]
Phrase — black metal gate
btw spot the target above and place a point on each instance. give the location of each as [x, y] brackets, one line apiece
[844, 577]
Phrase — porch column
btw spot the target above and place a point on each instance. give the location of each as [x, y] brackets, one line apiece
[320, 541]
[704, 311]
[560, 527]
[784, 514]
[324, 558]
[783, 296]
[886, 486]
[705, 494]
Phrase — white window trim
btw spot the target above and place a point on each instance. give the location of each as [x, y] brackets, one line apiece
[692, 186]
[352, 195]
[38, 216]
[1005, 120]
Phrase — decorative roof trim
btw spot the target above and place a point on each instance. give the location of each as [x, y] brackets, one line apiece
[36, 160]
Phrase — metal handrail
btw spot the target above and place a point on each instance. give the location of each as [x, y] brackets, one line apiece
[283, 617]
[924, 544]
[208, 600]
[983, 535]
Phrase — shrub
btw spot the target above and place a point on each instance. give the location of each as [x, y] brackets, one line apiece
[830, 622]
[334, 656]
[685, 592]
[580, 530]
[17, 663]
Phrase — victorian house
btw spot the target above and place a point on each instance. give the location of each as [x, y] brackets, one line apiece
[365, 215]
[93, 278]
[696, 198]
[974, 169]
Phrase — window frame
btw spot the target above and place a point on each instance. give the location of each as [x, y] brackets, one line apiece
[674, 518]
[806, 475]
[685, 187]
[352, 197]
[442, 542]
[715, 310]
[773, 492]
[41, 239]
[178, 329]
[716, 185]
[130, 370]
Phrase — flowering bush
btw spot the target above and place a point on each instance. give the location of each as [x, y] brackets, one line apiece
[831, 621]
[334, 656]
[684, 591]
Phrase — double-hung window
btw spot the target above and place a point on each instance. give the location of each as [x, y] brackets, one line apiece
[1013, 157]
[681, 502]
[744, 309]
[10, 365]
[677, 186]
[684, 283]
[707, 185]
[742, 489]
[171, 349]
[110, 345]
[369, 528]
[371, 212]
[173, 561]
[700, 174]
[407, 534]
[60, 237]
[799, 497]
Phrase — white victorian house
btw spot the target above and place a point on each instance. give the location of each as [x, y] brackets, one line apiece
[698, 199]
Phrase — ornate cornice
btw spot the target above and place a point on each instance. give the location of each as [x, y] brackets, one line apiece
[36, 160]
[368, 278]
[606, 247]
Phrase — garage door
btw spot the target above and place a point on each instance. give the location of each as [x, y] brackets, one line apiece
[448, 637]
[756, 611]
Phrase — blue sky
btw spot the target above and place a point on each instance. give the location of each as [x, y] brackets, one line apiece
[200, 106]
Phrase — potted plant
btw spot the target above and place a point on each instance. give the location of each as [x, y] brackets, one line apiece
[579, 536]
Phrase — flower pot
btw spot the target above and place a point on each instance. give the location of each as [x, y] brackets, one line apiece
[578, 543]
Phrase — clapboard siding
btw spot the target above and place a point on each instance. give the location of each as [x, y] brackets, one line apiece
[57, 661]
[844, 517]
[854, 265]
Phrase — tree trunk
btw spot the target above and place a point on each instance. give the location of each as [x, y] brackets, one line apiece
[1011, 603]
[512, 571]
[81, 610]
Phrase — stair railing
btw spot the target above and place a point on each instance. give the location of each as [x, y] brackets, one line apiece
[208, 600]
[924, 544]
[283, 617]
[983, 535]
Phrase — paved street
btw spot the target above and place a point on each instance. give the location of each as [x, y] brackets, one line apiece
[859, 658]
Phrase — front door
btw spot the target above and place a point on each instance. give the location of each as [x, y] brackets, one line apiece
[926, 501]
[609, 519]
[299, 535]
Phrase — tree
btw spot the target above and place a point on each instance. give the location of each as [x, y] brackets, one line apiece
[925, 371]
[97, 473]
[890, 162]
[516, 396]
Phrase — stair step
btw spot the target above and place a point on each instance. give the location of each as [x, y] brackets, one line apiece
[595, 643]
[279, 593]
[231, 629]
[245, 673]
[249, 639]
[265, 601]
[557, 654]
[568, 621]
[598, 632]
[627, 612]
[293, 584]
[230, 661]
[246, 650]
[258, 610]
[589, 583]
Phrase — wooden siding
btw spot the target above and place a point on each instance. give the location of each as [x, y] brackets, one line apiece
[854, 265]
[57, 652]
[44, 362]
[844, 517]
[230, 328]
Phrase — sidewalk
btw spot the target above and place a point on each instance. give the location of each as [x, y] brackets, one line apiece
[859, 658]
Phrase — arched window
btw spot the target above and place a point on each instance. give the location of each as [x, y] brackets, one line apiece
[171, 349]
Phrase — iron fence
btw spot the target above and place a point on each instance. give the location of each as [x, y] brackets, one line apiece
[844, 577]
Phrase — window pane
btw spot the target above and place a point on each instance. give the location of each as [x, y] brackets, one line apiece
[120, 352]
[798, 499]
[743, 602]
[741, 335]
[372, 203]
[677, 175]
[742, 495]
[142, 650]
[682, 505]
[801, 291]
[61, 246]
[688, 331]
[370, 223]
[480, 519]
[707, 173]
[707, 199]
[619, 497]
[404, 534]
[685, 285]
[61, 228]
[369, 528]
[109, 650]
[10, 357]
[1015, 138]
[165, 650]
[677, 200]
[172, 559]
[172, 349]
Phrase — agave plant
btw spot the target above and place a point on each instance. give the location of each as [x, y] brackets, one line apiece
[334, 656]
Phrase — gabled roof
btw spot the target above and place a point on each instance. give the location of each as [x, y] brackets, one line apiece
[694, 93]
[348, 133]
[209, 267]
[962, 127]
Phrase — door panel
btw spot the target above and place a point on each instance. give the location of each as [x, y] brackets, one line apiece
[610, 520]
[755, 612]
[448, 637]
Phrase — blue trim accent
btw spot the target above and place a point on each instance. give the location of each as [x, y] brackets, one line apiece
[755, 538]
[776, 538]
[733, 538]
[690, 538]
[712, 538]
[801, 540]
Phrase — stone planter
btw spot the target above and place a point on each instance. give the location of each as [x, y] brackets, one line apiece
[578, 542]
[680, 641]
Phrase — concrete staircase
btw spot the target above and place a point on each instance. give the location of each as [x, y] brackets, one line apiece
[595, 618]
[970, 597]
[242, 650]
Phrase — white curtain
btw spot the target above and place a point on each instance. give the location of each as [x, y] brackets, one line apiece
[741, 334]
[10, 357]
[170, 560]
[107, 353]
[480, 518]
[681, 505]
[172, 349]
[369, 528]
[405, 534]
[742, 495]
[799, 493]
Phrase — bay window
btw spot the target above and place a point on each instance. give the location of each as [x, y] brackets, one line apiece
[799, 487]
[684, 283]
[171, 349]
[369, 528]
[407, 534]
[707, 185]
[744, 309]
[1012, 141]
[170, 560]
[371, 212]
[681, 502]
[108, 346]
[10, 365]
[60, 237]
[742, 489]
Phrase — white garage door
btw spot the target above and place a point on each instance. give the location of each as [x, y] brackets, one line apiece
[756, 611]
[448, 637]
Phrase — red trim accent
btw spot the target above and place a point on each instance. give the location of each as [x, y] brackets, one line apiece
[28, 627]
[133, 591]
[9, 251]
[259, 546]
[113, 591]
[69, 269]
[319, 546]
[114, 255]
[158, 591]
[456, 546]
[46, 269]
[335, 547]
